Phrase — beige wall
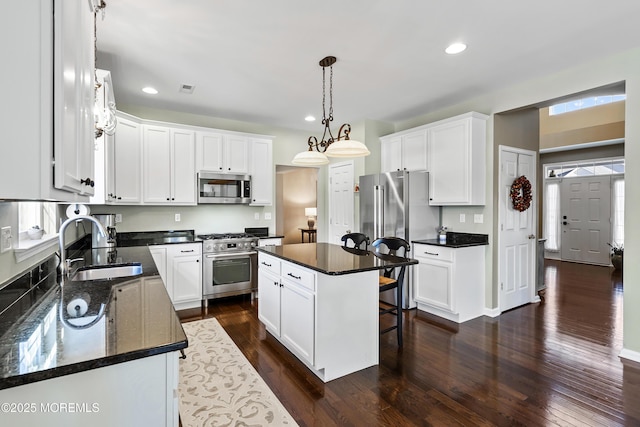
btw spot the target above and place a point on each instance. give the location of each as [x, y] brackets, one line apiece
[601, 123]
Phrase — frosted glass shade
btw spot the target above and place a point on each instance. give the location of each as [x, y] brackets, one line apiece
[310, 211]
[310, 158]
[347, 148]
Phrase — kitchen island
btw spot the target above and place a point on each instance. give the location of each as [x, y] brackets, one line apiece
[320, 301]
[101, 352]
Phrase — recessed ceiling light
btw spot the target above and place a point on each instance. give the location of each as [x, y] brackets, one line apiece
[310, 119]
[150, 90]
[455, 48]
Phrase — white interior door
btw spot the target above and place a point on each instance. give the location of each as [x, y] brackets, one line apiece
[585, 212]
[517, 231]
[341, 200]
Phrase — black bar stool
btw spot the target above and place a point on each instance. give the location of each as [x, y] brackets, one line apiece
[358, 239]
[386, 282]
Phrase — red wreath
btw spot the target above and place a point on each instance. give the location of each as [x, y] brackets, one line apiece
[521, 194]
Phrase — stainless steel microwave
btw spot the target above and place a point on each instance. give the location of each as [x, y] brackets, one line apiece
[215, 187]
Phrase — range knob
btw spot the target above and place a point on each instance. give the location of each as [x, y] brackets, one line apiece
[253, 244]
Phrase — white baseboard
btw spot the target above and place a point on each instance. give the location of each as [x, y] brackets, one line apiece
[492, 312]
[627, 354]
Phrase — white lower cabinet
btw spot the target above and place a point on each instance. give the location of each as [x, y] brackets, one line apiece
[141, 392]
[329, 322]
[180, 266]
[449, 282]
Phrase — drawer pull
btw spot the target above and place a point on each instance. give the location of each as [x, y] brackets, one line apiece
[432, 253]
[190, 250]
[264, 263]
[294, 276]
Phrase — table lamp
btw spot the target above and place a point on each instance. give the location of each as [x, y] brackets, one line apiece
[311, 213]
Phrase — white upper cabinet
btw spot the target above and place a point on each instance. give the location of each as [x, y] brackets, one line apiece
[224, 153]
[407, 151]
[51, 138]
[457, 161]
[453, 151]
[261, 172]
[124, 162]
[168, 165]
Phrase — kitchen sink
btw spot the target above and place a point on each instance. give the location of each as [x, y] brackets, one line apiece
[110, 271]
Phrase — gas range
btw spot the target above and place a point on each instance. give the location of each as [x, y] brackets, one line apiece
[228, 242]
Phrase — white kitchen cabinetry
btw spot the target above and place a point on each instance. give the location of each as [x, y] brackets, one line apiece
[224, 153]
[51, 138]
[169, 175]
[287, 304]
[329, 322]
[142, 392]
[180, 267]
[124, 162]
[449, 282]
[406, 151]
[261, 172]
[457, 161]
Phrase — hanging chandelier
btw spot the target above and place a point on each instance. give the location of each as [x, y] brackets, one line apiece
[330, 146]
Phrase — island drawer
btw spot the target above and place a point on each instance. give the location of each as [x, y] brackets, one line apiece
[269, 263]
[299, 275]
[433, 252]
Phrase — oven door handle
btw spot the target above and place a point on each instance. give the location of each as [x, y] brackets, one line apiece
[231, 255]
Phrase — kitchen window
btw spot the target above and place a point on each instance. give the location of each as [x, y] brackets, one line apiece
[30, 214]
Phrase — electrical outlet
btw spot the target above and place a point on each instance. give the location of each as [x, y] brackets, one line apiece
[256, 216]
[267, 216]
[118, 218]
[463, 218]
[478, 218]
[5, 239]
[177, 217]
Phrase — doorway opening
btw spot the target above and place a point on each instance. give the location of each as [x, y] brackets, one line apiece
[296, 195]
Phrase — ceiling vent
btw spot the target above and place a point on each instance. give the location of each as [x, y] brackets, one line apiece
[186, 88]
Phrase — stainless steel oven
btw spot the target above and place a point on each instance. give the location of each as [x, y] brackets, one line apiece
[230, 265]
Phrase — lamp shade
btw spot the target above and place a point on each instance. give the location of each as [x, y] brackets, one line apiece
[310, 158]
[347, 148]
[310, 211]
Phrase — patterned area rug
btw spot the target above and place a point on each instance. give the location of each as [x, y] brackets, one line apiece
[218, 385]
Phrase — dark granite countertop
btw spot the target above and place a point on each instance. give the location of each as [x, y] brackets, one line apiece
[271, 236]
[82, 325]
[333, 259]
[457, 240]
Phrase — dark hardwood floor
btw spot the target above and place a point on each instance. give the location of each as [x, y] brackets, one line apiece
[550, 363]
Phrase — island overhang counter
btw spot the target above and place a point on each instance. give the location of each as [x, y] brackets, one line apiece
[320, 301]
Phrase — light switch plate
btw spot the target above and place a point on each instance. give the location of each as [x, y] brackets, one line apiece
[478, 218]
[267, 216]
[118, 218]
[256, 216]
[5, 239]
[462, 218]
[177, 217]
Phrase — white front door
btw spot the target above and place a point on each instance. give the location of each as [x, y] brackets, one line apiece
[341, 200]
[585, 210]
[517, 231]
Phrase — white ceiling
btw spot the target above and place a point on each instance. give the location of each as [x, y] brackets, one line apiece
[257, 61]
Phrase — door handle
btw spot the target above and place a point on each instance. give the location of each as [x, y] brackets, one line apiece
[531, 236]
[564, 223]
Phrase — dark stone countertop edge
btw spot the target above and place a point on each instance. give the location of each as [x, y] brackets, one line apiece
[330, 273]
[271, 236]
[88, 365]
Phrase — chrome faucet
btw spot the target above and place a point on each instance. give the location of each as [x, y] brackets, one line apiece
[64, 266]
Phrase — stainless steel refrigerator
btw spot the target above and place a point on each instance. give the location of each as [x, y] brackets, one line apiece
[397, 204]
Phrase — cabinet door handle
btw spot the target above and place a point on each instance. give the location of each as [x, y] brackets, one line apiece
[294, 276]
[432, 253]
[264, 263]
[190, 250]
[276, 283]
